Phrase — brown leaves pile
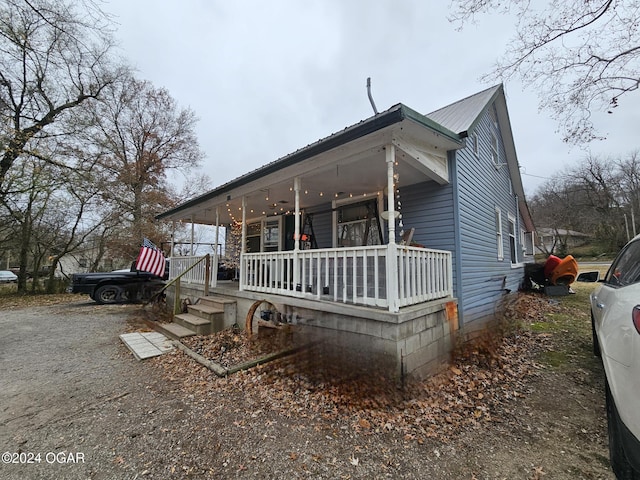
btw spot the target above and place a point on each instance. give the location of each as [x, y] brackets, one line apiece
[482, 384]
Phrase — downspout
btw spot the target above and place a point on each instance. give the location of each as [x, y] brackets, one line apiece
[517, 232]
[392, 248]
[457, 251]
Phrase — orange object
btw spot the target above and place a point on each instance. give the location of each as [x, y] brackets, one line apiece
[551, 263]
[565, 273]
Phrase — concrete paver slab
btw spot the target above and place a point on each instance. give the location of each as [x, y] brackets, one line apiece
[146, 344]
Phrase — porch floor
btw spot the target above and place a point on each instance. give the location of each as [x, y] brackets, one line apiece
[230, 288]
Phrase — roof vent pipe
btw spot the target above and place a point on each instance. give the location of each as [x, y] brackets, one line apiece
[373, 104]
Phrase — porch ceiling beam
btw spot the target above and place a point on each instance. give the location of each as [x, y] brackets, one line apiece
[430, 164]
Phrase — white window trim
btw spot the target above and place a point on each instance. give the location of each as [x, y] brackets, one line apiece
[495, 157]
[499, 239]
[341, 202]
[512, 221]
[262, 221]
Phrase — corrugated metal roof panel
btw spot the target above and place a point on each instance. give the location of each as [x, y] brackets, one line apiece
[461, 115]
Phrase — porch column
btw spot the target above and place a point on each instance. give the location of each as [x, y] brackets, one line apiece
[296, 235]
[243, 245]
[215, 254]
[173, 238]
[192, 234]
[392, 248]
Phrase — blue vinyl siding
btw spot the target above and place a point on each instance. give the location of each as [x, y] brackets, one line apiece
[481, 188]
[428, 207]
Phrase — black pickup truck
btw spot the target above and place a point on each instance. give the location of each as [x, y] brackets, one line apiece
[120, 286]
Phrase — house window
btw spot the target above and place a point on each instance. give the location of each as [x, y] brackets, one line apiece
[253, 237]
[357, 225]
[264, 235]
[499, 234]
[271, 235]
[512, 240]
[494, 116]
[527, 243]
[474, 140]
[494, 150]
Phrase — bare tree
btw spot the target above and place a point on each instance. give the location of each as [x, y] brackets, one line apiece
[140, 134]
[591, 198]
[53, 59]
[581, 55]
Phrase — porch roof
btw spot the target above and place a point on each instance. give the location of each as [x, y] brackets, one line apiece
[346, 163]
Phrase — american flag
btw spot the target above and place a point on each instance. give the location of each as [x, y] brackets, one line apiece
[150, 259]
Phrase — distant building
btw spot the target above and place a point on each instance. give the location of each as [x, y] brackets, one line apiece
[550, 240]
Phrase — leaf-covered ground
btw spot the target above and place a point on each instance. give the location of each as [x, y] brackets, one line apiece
[527, 403]
[480, 386]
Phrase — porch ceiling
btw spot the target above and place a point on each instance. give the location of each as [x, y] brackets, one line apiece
[355, 170]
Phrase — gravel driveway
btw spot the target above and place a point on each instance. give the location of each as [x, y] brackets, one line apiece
[75, 404]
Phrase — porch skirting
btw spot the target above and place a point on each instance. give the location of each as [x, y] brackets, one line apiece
[416, 341]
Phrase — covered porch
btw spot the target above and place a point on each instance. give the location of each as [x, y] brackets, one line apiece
[323, 235]
[350, 184]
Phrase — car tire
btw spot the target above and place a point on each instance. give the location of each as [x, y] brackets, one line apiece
[108, 294]
[619, 463]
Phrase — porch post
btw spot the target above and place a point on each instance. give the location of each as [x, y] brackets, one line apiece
[243, 244]
[296, 235]
[173, 238]
[392, 248]
[192, 235]
[215, 254]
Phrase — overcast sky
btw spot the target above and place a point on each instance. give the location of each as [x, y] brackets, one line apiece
[267, 77]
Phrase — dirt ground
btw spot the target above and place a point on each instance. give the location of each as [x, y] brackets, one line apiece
[75, 404]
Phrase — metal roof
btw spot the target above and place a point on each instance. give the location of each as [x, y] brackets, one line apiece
[460, 116]
[395, 115]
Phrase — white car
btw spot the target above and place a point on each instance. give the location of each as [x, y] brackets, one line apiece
[615, 316]
[7, 276]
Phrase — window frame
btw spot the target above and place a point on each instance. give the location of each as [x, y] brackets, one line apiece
[495, 157]
[513, 239]
[346, 203]
[499, 239]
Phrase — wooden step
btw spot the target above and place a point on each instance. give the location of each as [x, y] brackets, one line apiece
[174, 330]
[201, 326]
[205, 311]
[216, 302]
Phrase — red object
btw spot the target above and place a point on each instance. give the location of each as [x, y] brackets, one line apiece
[636, 317]
[551, 263]
[565, 272]
[150, 259]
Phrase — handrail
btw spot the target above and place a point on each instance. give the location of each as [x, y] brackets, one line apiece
[159, 292]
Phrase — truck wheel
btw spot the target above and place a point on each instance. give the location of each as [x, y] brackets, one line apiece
[108, 294]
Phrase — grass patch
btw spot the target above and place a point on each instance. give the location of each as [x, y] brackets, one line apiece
[554, 359]
[568, 326]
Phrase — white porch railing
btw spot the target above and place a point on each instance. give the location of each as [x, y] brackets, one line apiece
[356, 275]
[195, 276]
